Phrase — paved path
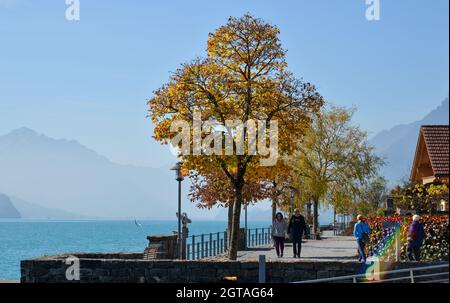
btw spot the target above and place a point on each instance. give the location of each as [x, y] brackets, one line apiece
[330, 248]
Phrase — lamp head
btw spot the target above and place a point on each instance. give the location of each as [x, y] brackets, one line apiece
[177, 169]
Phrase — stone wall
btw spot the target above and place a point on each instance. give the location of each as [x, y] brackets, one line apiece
[131, 268]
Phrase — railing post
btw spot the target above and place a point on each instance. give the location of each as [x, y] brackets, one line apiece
[247, 238]
[198, 250]
[218, 242]
[202, 241]
[188, 251]
[210, 244]
[225, 239]
[256, 236]
[214, 245]
[411, 273]
[193, 247]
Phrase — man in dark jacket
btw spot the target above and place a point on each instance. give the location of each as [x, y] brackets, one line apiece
[296, 229]
[415, 238]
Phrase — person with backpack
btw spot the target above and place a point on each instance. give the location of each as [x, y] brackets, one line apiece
[296, 229]
[279, 228]
[361, 233]
[416, 234]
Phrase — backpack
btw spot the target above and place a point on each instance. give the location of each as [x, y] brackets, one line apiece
[364, 235]
[365, 238]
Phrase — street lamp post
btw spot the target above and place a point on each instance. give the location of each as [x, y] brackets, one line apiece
[179, 178]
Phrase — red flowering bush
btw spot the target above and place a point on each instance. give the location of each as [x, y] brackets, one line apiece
[384, 229]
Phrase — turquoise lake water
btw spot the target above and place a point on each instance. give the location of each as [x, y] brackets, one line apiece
[24, 239]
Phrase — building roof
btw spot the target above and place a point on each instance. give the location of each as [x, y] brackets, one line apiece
[435, 140]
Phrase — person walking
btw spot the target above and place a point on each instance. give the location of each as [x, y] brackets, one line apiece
[296, 229]
[279, 228]
[415, 237]
[361, 233]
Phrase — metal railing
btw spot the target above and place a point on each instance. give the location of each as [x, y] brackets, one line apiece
[206, 245]
[411, 276]
[258, 237]
[213, 244]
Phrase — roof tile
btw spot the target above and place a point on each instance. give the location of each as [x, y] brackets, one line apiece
[437, 143]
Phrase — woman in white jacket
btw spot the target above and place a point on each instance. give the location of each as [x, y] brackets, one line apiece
[279, 228]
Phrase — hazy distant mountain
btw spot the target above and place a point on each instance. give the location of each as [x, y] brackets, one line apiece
[399, 143]
[7, 209]
[33, 211]
[62, 174]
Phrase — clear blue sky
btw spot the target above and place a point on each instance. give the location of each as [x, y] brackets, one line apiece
[89, 80]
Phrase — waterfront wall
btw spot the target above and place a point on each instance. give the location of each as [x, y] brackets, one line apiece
[131, 268]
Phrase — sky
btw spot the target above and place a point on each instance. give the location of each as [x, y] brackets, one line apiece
[89, 80]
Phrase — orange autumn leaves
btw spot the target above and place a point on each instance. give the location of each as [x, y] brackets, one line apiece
[243, 77]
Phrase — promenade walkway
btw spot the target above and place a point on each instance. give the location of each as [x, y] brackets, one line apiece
[330, 248]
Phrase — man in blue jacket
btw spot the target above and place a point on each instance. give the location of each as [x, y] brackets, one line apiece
[415, 238]
[361, 233]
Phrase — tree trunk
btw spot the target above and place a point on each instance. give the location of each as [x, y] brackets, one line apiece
[235, 228]
[274, 209]
[315, 217]
[308, 213]
[230, 222]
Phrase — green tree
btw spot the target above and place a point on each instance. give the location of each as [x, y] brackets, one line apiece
[372, 196]
[333, 160]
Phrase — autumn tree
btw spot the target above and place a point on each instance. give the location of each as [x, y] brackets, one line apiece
[213, 189]
[333, 160]
[243, 77]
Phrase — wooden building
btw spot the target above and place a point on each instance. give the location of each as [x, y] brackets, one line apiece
[432, 155]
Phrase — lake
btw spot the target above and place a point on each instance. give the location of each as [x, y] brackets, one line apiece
[24, 239]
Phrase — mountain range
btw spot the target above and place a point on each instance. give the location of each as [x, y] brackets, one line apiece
[42, 177]
[7, 209]
[398, 144]
[59, 174]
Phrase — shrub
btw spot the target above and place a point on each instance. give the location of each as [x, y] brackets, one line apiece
[382, 241]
